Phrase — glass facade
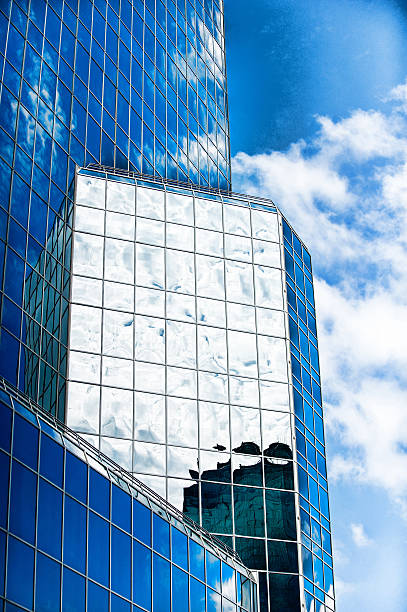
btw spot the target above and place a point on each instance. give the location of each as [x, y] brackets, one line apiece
[135, 85]
[79, 533]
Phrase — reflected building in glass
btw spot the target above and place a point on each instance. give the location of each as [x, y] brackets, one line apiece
[167, 320]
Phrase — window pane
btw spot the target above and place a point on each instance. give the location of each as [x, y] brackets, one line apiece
[121, 562]
[49, 519]
[20, 563]
[73, 594]
[25, 442]
[48, 584]
[74, 534]
[141, 575]
[161, 536]
[23, 496]
[179, 590]
[161, 586]
[98, 549]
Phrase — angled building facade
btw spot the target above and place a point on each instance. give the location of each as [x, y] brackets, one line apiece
[168, 321]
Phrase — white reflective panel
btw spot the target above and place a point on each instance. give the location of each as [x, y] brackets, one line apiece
[239, 282]
[118, 296]
[150, 339]
[212, 353]
[241, 317]
[243, 391]
[92, 439]
[180, 272]
[180, 208]
[214, 600]
[214, 465]
[242, 353]
[236, 219]
[181, 344]
[265, 225]
[118, 328]
[180, 237]
[176, 488]
[120, 197]
[181, 382]
[245, 424]
[149, 266]
[149, 377]
[84, 367]
[119, 260]
[86, 291]
[211, 312]
[209, 242]
[238, 247]
[87, 255]
[156, 483]
[85, 331]
[180, 461]
[182, 422]
[150, 231]
[90, 191]
[213, 387]
[181, 307]
[208, 214]
[268, 287]
[210, 277]
[89, 220]
[149, 417]
[275, 428]
[83, 407]
[214, 426]
[149, 458]
[266, 253]
[274, 396]
[119, 451]
[270, 322]
[272, 358]
[117, 372]
[150, 301]
[150, 203]
[117, 413]
[119, 225]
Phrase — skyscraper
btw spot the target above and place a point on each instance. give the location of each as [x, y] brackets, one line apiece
[167, 320]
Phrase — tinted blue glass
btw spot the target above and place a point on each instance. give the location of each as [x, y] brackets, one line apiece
[20, 562]
[76, 477]
[25, 442]
[161, 585]
[99, 493]
[228, 581]
[49, 521]
[141, 575]
[23, 496]
[197, 595]
[213, 601]
[121, 508]
[2, 561]
[117, 604]
[98, 598]
[179, 590]
[212, 571]
[73, 592]
[141, 523]
[74, 534]
[4, 484]
[98, 548]
[121, 562]
[196, 560]
[161, 536]
[51, 460]
[5, 427]
[47, 584]
[179, 548]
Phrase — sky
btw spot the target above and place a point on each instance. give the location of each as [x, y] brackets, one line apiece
[318, 118]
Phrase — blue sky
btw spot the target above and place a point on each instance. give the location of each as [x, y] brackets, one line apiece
[318, 112]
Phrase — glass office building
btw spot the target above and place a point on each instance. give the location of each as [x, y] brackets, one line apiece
[167, 320]
[95, 538]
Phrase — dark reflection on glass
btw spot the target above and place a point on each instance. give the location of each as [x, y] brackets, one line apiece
[249, 511]
[282, 556]
[280, 515]
[252, 552]
[284, 593]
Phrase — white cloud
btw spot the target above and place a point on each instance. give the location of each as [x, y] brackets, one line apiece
[346, 194]
[359, 535]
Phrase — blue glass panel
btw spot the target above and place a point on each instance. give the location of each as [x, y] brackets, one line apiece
[179, 548]
[141, 575]
[213, 601]
[121, 508]
[2, 561]
[23, 496]
[99, 493]
[197, 595]
[5, 427]
[20, 562]
[196, 560]
[117, 604]
[49, 519]
[141, 522]
[98, 549]
[51, 460]
[98, 598]
[121, 562]
[161, 536]
[179, 590]
[4, 485]
[228, 581]
[212, 571]
[76, 477]
[161, 585]
[47, 584]
[25, 442]
[74, 534]
[73, 592]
